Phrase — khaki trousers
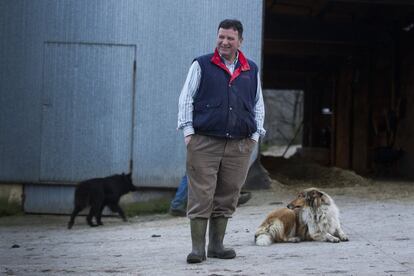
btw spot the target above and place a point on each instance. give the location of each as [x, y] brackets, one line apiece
[216, 170]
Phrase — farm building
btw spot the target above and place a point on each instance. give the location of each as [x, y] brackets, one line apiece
[90, 88]
[354, 61]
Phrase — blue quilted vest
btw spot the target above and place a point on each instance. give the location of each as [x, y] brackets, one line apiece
[224, 103]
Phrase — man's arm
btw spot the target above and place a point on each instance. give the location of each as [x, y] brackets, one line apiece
[259, 111]
[185, 103]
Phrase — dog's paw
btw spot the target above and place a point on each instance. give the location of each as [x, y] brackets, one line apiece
[294, 239]
[263, 240]
[344, 238]
[334, 240]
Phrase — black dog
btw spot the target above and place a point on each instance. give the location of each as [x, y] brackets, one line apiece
[98, 193]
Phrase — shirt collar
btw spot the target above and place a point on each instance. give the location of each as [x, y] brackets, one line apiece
[216, 59]
[226, 62]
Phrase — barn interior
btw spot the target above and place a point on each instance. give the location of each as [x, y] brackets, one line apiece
[354, 60]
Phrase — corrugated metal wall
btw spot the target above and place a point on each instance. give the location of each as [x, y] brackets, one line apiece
[67, 99]
[86, 124]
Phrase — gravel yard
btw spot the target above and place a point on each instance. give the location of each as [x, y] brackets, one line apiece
[378, 217]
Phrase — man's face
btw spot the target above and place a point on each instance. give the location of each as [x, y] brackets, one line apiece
[228, 42]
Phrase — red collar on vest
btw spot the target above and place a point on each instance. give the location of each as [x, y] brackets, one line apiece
[244, 65]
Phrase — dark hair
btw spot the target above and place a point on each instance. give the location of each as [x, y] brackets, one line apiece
[232, 24]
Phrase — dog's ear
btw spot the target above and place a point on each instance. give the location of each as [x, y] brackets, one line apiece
[314, 198]
[315, 193]
[321, 195]
[325, 199]
[308, 198]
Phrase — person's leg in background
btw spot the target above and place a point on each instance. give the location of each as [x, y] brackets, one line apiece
[178, 205]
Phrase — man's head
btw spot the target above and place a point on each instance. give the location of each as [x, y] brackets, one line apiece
[229, 38]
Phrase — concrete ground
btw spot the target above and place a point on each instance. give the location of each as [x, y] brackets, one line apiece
[379, 220]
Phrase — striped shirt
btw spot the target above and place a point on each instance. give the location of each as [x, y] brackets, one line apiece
[185, 104]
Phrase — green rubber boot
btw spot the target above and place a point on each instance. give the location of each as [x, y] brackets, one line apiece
[198, 239]
[217, 230]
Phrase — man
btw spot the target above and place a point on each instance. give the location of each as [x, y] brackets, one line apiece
[221, 114]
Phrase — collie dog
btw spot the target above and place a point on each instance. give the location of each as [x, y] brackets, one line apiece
[279, 226]
[311, 216]
[317, 217]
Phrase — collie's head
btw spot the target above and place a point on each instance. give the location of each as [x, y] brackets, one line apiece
[311, 197]
[315, 198]
[298, 203]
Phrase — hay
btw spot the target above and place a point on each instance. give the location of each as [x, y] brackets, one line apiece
[296, 171]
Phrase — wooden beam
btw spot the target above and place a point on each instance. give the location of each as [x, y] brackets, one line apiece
[315, 29]
[289, 7]
[319, 7]
[310, 48]
[284, 80]
[342, 113]
[305, 64]
[376, 2]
